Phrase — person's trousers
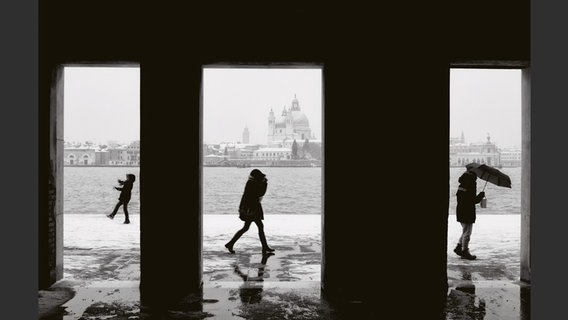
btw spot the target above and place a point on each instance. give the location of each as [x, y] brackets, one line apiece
[245, 228]
[124, 207]
[466, 235]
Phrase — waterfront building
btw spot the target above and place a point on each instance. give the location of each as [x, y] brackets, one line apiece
[79, 156]
[233, 153]
[133, 153]
[459, 140]
[272, 154]
[231, 150]
[244, 151]
[213, 149]
[75, 154]
[288, 143]
[462, 153]
[124, 155]
[292, 124]
[101, 157]
[117, 156]
[213, 159]
[511, 157]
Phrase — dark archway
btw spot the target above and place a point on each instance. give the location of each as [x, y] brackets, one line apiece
[370, 101]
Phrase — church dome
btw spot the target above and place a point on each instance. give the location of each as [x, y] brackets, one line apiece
[300, 120]
[280, 122]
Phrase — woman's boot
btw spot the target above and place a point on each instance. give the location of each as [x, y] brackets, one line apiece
[458, 249]
[466, 255]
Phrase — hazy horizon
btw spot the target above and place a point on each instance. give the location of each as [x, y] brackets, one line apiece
[102, 104]
[486, 101]
[237, 97]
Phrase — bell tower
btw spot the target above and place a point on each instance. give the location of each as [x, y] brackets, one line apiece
[295, 104]
[246, 135]
[271, 129]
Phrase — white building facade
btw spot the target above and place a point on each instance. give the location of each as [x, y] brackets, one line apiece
[292, 124]
[272, 154]
[79, 156]
[511, 157]
[485, 153]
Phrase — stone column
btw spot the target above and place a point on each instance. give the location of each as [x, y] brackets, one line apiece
[526, 175]
[170, 194]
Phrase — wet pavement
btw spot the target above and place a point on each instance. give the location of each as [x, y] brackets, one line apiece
[101, 281]
[488, 287]
[503, 300]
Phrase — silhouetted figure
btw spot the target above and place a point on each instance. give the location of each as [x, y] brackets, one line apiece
[465, 211]
[124, 198]
[251, 290]
[250, 209]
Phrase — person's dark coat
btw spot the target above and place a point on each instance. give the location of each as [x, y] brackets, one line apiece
[467, 198]
[255, 188]
[125, 190]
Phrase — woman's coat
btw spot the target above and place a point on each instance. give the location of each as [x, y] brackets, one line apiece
[467, 198]
[255, 188]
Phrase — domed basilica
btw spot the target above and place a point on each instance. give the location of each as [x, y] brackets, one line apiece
[291, 125]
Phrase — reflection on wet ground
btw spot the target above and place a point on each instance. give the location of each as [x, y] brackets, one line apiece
[102, 283]
[488, 287]
[488, 300]
[248, 285]
[256, 286]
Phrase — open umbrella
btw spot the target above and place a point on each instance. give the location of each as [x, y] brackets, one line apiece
[489, 174]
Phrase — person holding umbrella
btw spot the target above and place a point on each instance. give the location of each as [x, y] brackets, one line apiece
[467, 199]
[465, 211]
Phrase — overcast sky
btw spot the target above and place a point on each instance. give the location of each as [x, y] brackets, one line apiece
[486, 101]
[235, 98]
[103, 104]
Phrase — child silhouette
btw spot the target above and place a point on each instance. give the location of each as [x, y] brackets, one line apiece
[124, 198]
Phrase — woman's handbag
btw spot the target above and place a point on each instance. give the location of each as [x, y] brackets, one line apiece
[484, 203]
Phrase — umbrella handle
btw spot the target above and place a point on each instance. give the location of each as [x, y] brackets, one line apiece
[484, 186]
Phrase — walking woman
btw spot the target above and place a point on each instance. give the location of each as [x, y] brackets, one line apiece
[250, 209]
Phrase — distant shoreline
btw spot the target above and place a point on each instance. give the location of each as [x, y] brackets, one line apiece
[100, 165]
[225, 166]
[301, 214]
[208, 166]
[264, 165]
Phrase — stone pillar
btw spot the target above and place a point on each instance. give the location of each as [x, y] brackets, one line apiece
[526, 175]
[386, 215]
[170, 195]
[51, 215]
[58, 140]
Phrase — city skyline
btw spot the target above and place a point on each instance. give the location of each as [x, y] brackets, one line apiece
[103, 103]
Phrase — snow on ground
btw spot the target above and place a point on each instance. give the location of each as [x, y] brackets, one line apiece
[97, 248]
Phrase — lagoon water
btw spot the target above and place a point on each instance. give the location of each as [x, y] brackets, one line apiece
[500, 200]
[290, 190]
[89, 190]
